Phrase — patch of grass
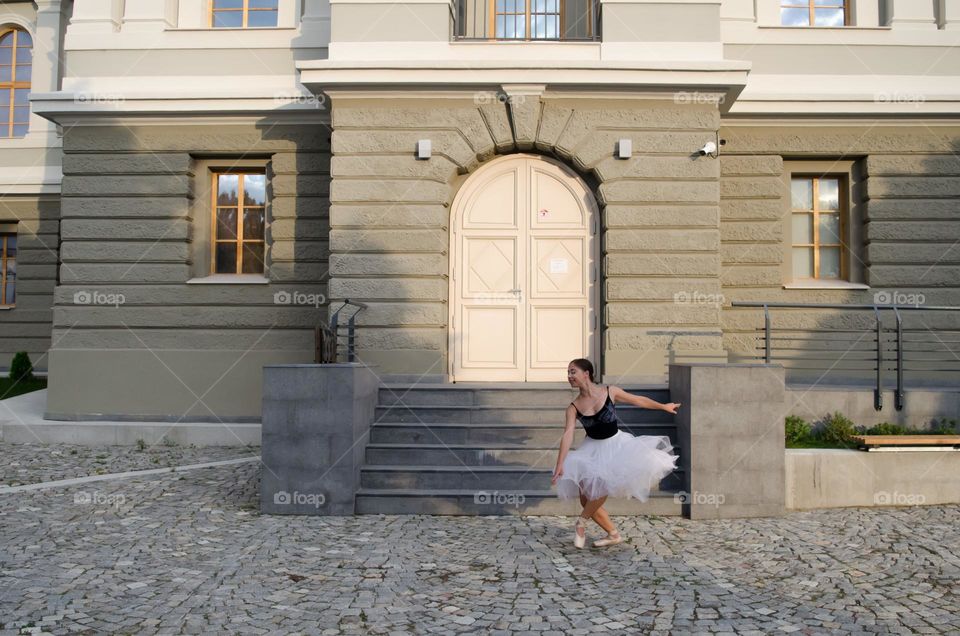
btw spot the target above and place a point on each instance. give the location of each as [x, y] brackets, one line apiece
[885, 428]
[817, 443]
[946, 427]
[11, 388]
[20, 380]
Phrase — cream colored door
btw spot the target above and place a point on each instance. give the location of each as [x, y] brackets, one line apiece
[523, 283]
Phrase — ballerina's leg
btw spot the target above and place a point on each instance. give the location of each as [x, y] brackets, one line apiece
[600, 516]
[591, 507]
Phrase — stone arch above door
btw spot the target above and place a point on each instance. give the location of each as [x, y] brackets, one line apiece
[390, 215]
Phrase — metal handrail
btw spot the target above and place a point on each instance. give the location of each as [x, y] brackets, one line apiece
[472, 22]
[878, 342]
[327, 337]
[351, 322]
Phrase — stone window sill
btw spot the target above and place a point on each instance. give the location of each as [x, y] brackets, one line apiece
[815, 284]
[233, 29]
[808, 27]
[229, 279]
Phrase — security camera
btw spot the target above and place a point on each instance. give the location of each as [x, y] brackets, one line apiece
[708, 148]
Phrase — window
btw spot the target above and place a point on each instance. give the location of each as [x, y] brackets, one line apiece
[526, 19]
[8, 268]
[824, 224]
[16, 55]
[828, 13]
[239, 205]
[818, 224]
[242, 14]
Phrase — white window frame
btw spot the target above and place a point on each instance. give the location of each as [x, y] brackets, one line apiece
[853, 236]
[202, 244]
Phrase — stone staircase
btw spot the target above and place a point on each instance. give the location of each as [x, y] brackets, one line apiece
[488, 449]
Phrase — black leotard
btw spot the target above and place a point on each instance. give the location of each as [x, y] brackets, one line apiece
[602, 424]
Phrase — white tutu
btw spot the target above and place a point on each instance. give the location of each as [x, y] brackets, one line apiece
[623, 466]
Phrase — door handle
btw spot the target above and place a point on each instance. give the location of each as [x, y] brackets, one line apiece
[514, 291]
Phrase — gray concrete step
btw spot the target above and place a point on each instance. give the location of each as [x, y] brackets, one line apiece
[477, 433]
[516, 414]
[471, 502]
[488, 448]
[549, 395]
[504, 478]
[492, 454]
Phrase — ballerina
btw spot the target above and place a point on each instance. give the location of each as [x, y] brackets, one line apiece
[609, 461]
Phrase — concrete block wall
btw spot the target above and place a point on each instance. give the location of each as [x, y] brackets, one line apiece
[173, 350]
[660, 235]
[316, 424]
[731, 427]
[26, 327]
[835, 478]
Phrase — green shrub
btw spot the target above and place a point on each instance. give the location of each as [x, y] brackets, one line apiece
[945, 427]
[837, 429]
[886, 428]
[20, 367]
[796, 429]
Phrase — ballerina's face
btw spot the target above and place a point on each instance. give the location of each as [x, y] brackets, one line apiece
[577, 376]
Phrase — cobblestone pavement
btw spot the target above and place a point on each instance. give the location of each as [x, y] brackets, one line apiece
[189, 553]
[34, 463]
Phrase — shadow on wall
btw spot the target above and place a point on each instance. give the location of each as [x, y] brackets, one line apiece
[910, 256]
[34, 223]
[298, 225]
[137, 223]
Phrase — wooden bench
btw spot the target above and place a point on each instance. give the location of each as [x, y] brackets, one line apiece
[908, 442]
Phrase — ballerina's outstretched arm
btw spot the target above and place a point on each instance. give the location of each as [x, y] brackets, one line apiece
[619, 395]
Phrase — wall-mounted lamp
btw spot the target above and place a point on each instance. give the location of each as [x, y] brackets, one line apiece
[712, 148]
[423, 149]
[709, 148]
[624, 148]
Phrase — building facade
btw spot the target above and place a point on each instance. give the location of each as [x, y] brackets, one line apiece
[192, 186]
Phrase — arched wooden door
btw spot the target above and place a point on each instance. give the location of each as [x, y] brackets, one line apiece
[524, 280]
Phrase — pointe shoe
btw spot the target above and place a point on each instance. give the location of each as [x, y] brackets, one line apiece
[611, 539]
[578, 539]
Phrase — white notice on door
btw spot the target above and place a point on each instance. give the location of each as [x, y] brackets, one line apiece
[558, 266]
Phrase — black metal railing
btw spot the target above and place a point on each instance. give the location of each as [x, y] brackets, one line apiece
[530, 20]
[327, 337]
[877, 348]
